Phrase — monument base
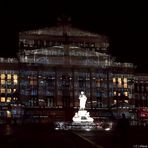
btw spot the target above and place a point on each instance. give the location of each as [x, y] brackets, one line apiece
[82, 116]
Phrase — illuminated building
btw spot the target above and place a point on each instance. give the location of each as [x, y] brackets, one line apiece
[54, 64]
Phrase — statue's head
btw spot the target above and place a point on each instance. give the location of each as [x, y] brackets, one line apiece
[82, 92]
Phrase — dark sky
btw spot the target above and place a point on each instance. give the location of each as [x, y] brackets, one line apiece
[125, 24]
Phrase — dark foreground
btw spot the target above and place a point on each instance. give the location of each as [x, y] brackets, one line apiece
[31, 136]
[34, 136]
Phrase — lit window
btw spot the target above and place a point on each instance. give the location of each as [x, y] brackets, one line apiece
[119, 94]
[125, 80]
[126, 101]
[8, 114]
[119, 82]
[2, 90]
[2, 99]
[8, 76]
[114, 80]
[8, 90]
[119, 79]
[2, 76]
[8, 99]
[125, 85]
[15, 76]
[14, 90]
[126, 93]
[15, 81]
[115, 101]
[115, 93]
[2, 81]
[14, 99]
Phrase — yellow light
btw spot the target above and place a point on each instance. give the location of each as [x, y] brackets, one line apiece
[2, 90]
[14, 99]
[15, 76]
[119, 80]
[125, 80]
[125, 85]
[8, 76]
[126, 93]
[114, 80]
[8, 114]
[8, 99]
[2, 76]
[15, 81]
[2, 99]
[115, 93]
[2, 81]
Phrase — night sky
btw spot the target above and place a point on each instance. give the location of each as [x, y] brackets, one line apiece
[125, 24]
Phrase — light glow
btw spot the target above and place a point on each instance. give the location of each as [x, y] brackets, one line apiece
[107, 129]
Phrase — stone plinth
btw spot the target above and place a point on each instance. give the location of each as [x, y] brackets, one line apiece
[82, 116]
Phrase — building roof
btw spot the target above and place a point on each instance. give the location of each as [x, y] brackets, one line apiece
[61, 30]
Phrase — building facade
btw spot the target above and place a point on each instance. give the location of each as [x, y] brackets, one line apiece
[54, 64]
[141, 90]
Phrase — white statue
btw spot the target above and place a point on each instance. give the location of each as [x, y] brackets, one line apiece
[83, 100]
[82, 115]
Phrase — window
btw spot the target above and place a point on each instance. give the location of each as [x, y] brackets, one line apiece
[15, 81]
[115, 101]
[8, 76]
[114, 80]
[8, 99]
[115, 93]
[14, 90]
[15, 76]
[126, 93]
[125, 80]
[125, 85]
[8, 90]
[119, 82]
[2, 90]
[2, 81]
[2, 76]
[2, 99]
[14, 99]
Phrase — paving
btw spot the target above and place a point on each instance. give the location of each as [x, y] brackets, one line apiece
[136, 138]
[43, 136]
[31, 137]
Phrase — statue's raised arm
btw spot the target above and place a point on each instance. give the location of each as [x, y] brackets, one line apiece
[83, 100]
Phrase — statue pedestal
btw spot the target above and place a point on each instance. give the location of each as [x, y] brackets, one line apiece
[82, 116]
